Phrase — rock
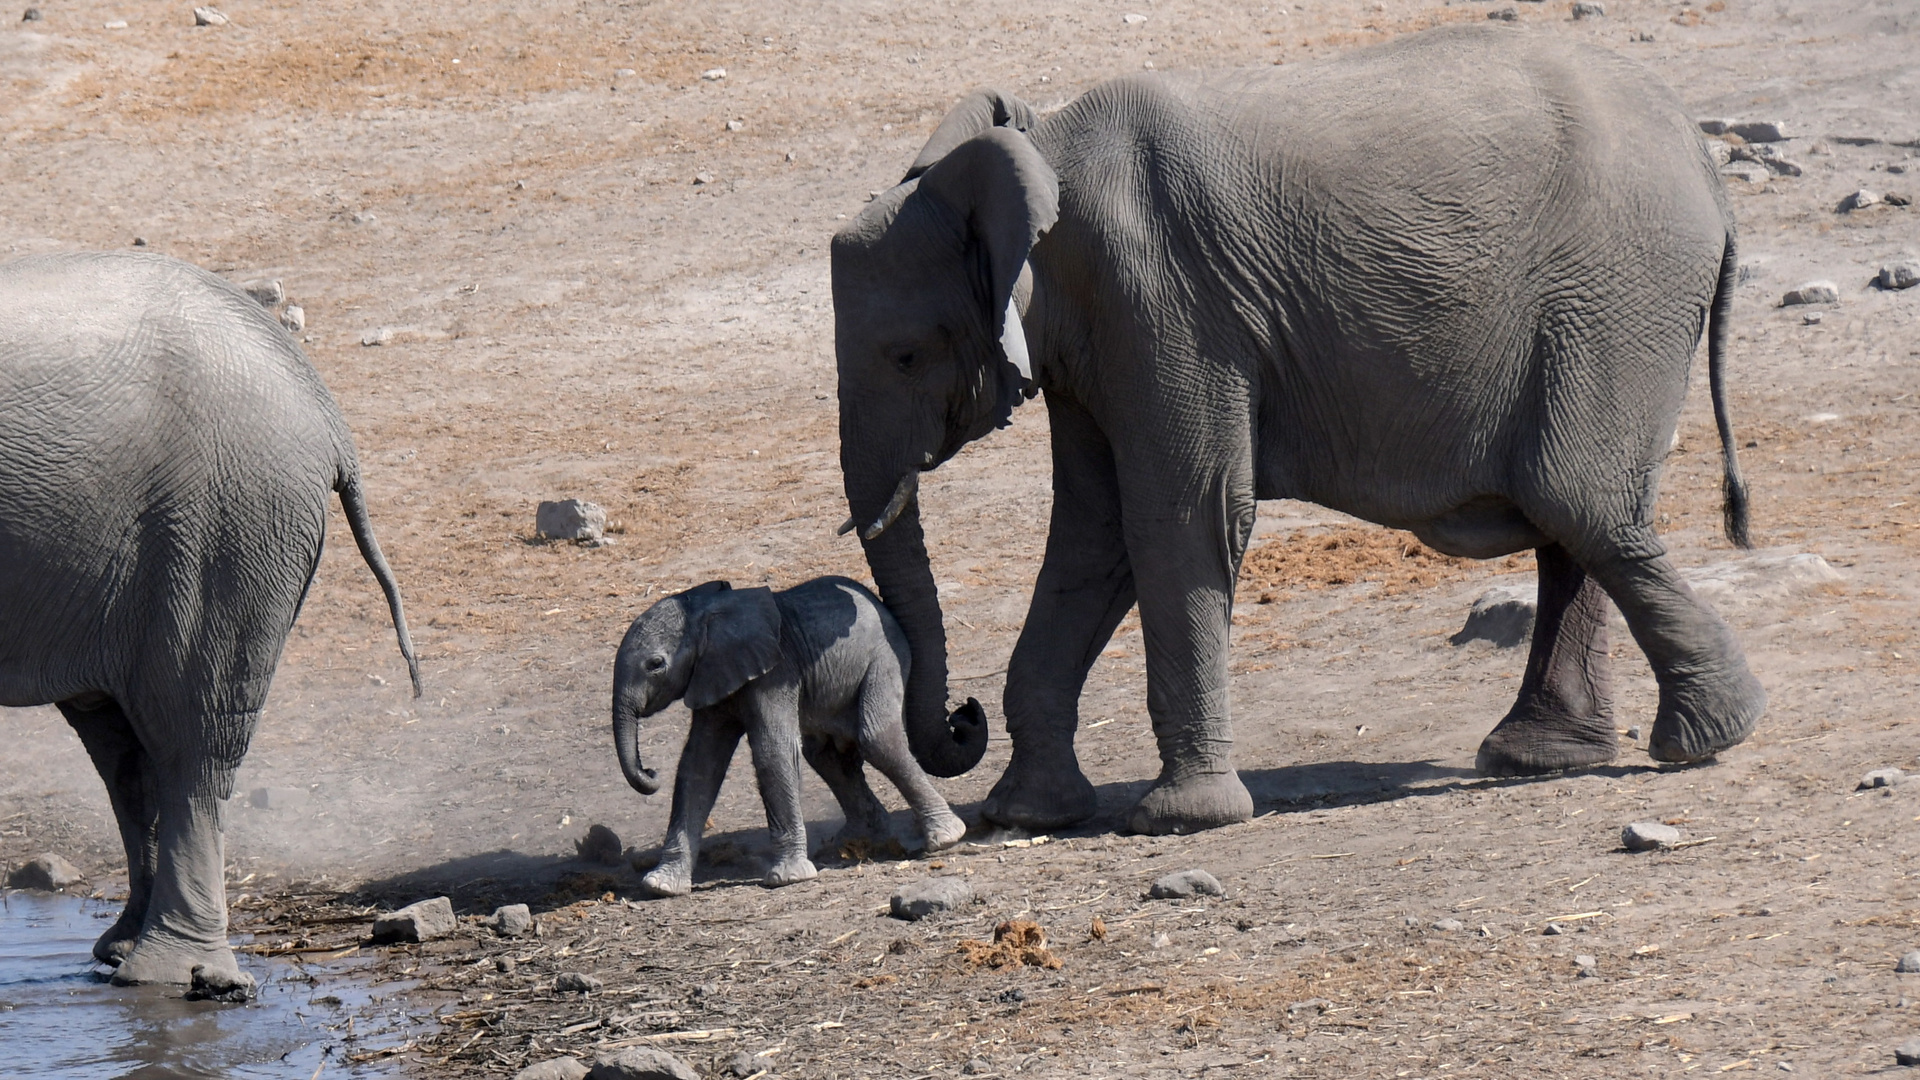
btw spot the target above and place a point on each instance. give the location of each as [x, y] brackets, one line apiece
[1186, 884]
[45, 873]
[1897, 198]
[642, 1063]
[1761, 576]
[512, 920]
[1760, 131]
[1133, 19]
[1587, 9]
[1313, 1006]
[1909, 964]
[575, 982]
[977, 1066]
[206, 16]
[379, 335]
[560, 1068]
[1751, 172]
[267, 293]
[624, 73]
[601, 844]
[1634, 734]
[1587, 967]
[1860, 200]
[1716, 127]
[700, 178]
[139, 241]
[1881, 778]
[1908, 1053]
[1812, 292]
[570, 519]
[32, 15]
[1553, 929]
[116, 24]
[744, 1065]
[1502, 615]
[278, 798]
[1904, 274]
[934, 896]
[736, 125]
[1505, 14]
[294, 318]
[231, 988]
[714, 74]
[422, 920]
[1448, 926]
[1649, 836]
[505, 964]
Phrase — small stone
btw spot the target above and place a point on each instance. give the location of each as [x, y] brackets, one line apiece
[379, 335]
[1502, 615]
[1553, 929]
[736, 125]
[294, 318]
[570, 519]
[512, 920]
[1904, 274]
[1161, 940]
[1760, 131]
[1649, 836]
[574, 982]
[1505, 14]
[1751, 172]
[702, 178]
[1186, 884]
[1897, 198]
[266, 293]
[45, 873]
[1909, 964]
[1881, 778]
[744, 1065]
[116, 24]
[1907, 1053]
[642, 1063]
[1313, 1006]
[1448, 926]
[600, 845]
[363, 218]
[624, 73]
[505, 964]
[139, 241]
[206, 16]
[278, 798]
[1812, 292]
[1588, 967]
[1812, 319]
[231, 988]
[32, 15]
[1716, 127]
[1860, 200]
[423, 920]
[1133, 18]
[560, 1068]
[1634, 734]
[934, 896]
[714, 74]
[1587, 9]
[978, 1066]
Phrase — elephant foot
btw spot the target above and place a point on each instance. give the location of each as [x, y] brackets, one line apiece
[1191, 804]
[117, 942]
[787, 871]
[942, 830]
[166, 958]
[1033, 796]
[1527, 743]
[1704, 714]
[668, 879]
[218, 984]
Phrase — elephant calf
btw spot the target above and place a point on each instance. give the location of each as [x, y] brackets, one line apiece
[817, 670]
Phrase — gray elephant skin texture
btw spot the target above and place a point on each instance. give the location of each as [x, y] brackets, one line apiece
[1452, 284]
[166, 457]
[815, 672]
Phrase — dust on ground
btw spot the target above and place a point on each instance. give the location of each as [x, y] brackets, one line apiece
[591, 285]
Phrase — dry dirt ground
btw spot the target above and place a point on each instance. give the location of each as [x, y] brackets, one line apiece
[510, 190]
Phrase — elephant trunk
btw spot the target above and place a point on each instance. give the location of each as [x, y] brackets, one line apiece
[626, 741]
[944, 745]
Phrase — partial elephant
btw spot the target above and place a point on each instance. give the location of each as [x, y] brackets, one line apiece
[1451, 284]
[817, 671]
[166, 454]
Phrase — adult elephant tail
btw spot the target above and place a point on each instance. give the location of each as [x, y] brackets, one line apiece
[354, 501]
[1734, 508]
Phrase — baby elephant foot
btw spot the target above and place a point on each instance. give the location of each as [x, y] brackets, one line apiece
[1038, 794]
[668, 879]
[942, 829]
[1529, 744]
[1703, 715]
[789, 870]
[1191, 804]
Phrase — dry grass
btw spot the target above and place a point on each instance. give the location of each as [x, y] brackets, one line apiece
[1343, 556]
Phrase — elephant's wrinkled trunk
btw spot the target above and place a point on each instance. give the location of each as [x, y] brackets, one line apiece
[943, 745]
[626, 741]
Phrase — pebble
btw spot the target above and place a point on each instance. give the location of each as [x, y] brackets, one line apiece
[642, 1063]
[560, 1068]
[1860, 200]
[1587, 9]
[422, 920]
[574, 982]
[504, 964]
[294, 318]
[736, 125]
[702, 178]
[267, 293]
[1505, 14]
[1315, 1006]
[1554, 929]
[1812, 292]
[1880, 778]
[139, 241]
[1589, 968]
[32, 15]
[1502, 615]
[512, 920]
[1760, 131]
[744, 1065]
[1904, 274]
[934, 896]
[379, 335]
[601, 844]
[1449, 926]
[45, 873]
[1186, 884]
[1649, 836]
[1716, 126]
[1750, 171]
[1133, 19]
[1909, 964]
[1907, 1053]
[1634, 734]
[570, 519]
[978, 1066]
[714, 74]
[116, 24]
[206, 16]
[1895, 198]
[624, 73]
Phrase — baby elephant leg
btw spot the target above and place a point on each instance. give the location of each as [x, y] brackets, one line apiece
[775, 739]
[883, 742]
[839, 766]
[711, 740]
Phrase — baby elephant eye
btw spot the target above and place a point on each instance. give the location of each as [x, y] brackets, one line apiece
[655, 662]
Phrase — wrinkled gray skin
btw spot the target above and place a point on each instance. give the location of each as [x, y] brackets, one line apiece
[1451, 284]
[816, 671]
[166, 457]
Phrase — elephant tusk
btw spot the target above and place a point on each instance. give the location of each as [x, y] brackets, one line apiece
[846, 527]
[903, 494]
[1013, 341]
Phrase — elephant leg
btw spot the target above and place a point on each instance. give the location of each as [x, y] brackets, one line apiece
[712, 737]
[840, 767]
[127, 770]
[884, 743]
[774, 737]
[1563, 717]
[1085, 588]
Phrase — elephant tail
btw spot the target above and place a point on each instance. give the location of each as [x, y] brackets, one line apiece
[354, 501]
[1734, 509]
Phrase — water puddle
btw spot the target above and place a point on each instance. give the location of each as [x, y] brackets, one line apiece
[60, 1018]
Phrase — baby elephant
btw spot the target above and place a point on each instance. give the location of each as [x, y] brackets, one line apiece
[817, 670]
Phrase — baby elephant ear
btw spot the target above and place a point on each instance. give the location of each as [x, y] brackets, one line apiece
[738, 639]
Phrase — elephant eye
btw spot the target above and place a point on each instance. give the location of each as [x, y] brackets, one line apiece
[905, 361]
[655, 662]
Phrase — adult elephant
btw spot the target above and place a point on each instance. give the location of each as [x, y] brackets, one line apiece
[166, 455]
[1451, 284]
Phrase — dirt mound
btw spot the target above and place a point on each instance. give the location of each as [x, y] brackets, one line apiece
[1015, 943]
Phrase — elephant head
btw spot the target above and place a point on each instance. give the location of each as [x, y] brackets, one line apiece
[704, 645]
[931, 356]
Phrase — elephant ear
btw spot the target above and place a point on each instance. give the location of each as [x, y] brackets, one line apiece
[736, 639]
[978, 111]
[1008, 196]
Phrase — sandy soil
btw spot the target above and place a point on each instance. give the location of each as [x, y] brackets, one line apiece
[510, 190]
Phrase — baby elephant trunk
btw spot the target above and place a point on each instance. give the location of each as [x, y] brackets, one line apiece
[626, 740]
